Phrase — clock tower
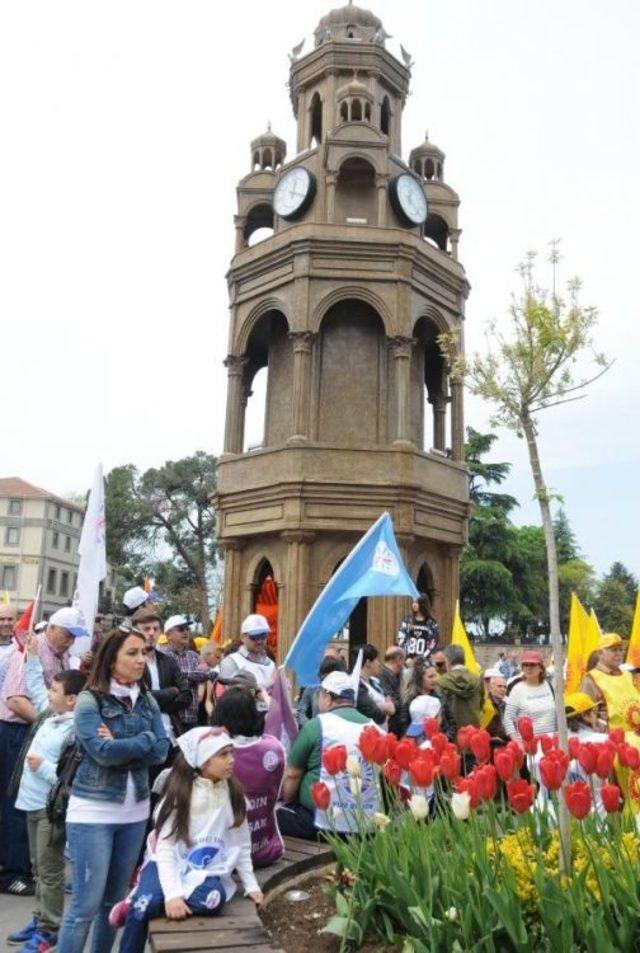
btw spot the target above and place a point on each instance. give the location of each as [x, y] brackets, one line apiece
[341, 306]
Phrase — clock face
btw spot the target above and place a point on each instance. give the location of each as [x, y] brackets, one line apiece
[410, 199]
[294, 192]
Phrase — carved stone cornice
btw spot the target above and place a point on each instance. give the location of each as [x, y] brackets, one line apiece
[302, 340]
[297, 536]
[400, 346]
[235, 364]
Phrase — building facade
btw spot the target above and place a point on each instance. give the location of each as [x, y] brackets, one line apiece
[39, 537]
[342, 306]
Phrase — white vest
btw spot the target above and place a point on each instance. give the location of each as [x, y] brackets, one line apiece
[264, 674]
[339, 731]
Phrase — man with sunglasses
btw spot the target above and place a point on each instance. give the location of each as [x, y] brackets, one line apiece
[162, 676]
[193, 668]
[252, 654]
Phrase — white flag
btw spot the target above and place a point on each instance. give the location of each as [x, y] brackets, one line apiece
[93, 562]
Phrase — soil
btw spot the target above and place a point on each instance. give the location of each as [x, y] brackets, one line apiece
[294, 925]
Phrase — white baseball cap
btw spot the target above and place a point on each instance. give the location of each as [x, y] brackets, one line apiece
[493, 673]
[69, 619]
[174, 621]
[255, 625]
[134, 598]
[424, 706]
[339, 684]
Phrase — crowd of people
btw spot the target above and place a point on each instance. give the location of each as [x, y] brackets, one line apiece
[146, 765]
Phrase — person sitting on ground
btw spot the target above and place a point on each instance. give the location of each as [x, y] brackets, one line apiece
[532, 697]
[419, 632]
[421, 680]
[252, 655]
[372, 700]
[162, 675]
[338, 723]
[496, 689]
[178, 631]
[200, 837]
[307, 707]
[46, 840]
[259, 766]
[390, 678]
[463, 691]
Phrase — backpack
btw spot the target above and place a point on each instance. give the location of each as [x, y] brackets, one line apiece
[58, 797]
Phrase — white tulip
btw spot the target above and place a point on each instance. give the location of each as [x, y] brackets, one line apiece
[381, 820]
[461, 805]
[452, 914]
[419, 806]
[355, 786]
[354, 766]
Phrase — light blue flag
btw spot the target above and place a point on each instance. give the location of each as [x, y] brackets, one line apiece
[372, 568]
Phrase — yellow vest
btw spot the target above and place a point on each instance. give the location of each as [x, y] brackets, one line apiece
[622, 699]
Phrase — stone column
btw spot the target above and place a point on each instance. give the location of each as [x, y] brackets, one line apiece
[297, 597]
[330, 182]
[232, 592]
[401, 348]
[240, 222]
[457, 421]
[301, 392]
[236, 403]
[454, 238]
[439, 421]
[449, 590]
[382, 181]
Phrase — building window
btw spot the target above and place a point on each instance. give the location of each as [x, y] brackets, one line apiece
[67, 544]
[12, 535]
[69, 517]
[52, 576]
[58, 512]
[9, 577]
[64, 584]
[55, 540]
[15, 507]
[75, 581]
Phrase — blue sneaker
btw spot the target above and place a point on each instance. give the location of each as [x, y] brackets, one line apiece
[39, 942]
[23, 935]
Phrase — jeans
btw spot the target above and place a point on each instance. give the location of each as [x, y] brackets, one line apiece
[147, 902]
[296, 820]
[103, 858]
[46, 843]
[14, 843]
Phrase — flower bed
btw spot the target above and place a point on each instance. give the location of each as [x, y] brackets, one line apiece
[484, 872]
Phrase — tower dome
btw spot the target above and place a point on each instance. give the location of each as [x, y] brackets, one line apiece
[427, 161]
[349, 23]
[268, 151]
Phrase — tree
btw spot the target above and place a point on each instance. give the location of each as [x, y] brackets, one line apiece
[522, 373]
[615, 600]
[566, 543]
[162, 523]
[483, 474]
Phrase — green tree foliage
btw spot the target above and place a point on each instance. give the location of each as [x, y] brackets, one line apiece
[566, 544]
[615, 600]
[162, 523]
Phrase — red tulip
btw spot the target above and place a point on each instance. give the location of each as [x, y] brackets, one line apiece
[464, 736]
[578, 798]
[334, 759]
[439, 742]
[372, 745]
[487, 781]
[553, 769]
[629, 756]
[517, 751]
[430, 726]
[480, 744]
[470, 786]
[520, 795]
[604, 763]
[525, 728]
[588, 757]
[548, 743]
[320, 795]
[616, 735]
[423, 769]
[505, 763]
[405, 752]
[574, 747]
[611, 798]
[450, 764]
[392, 771]
[390, 742]
[531, 747]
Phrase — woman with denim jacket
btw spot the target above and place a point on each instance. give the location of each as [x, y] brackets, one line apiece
[120, 730]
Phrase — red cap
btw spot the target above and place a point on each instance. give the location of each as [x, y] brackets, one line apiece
[531, 657]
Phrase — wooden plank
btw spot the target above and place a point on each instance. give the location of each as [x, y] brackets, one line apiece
[306, 846]
[235, 921]
[218, 940]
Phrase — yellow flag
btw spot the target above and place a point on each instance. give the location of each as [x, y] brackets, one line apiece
[633, 652]
[592, 635]
[460, 637]
[487, 713]
[576, 658]
[5, 598]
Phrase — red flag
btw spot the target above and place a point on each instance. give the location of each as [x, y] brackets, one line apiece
[23, 625]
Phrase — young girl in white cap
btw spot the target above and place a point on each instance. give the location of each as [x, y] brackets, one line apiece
[200, 837]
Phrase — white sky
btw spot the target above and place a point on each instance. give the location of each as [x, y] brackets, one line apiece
[125, 127]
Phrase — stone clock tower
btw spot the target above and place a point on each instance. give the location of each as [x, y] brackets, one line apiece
[341, 306]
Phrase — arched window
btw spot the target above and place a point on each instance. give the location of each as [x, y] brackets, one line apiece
[429, 393]
[259, 224]
[267, 161]
[429, 169]
[425, 583]
[344, 111]
[315, 122]
[256, 160]
[385, 116]
[437, 230]
[267, 383]
[356, 110]
[265, 600]
[356, 194]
